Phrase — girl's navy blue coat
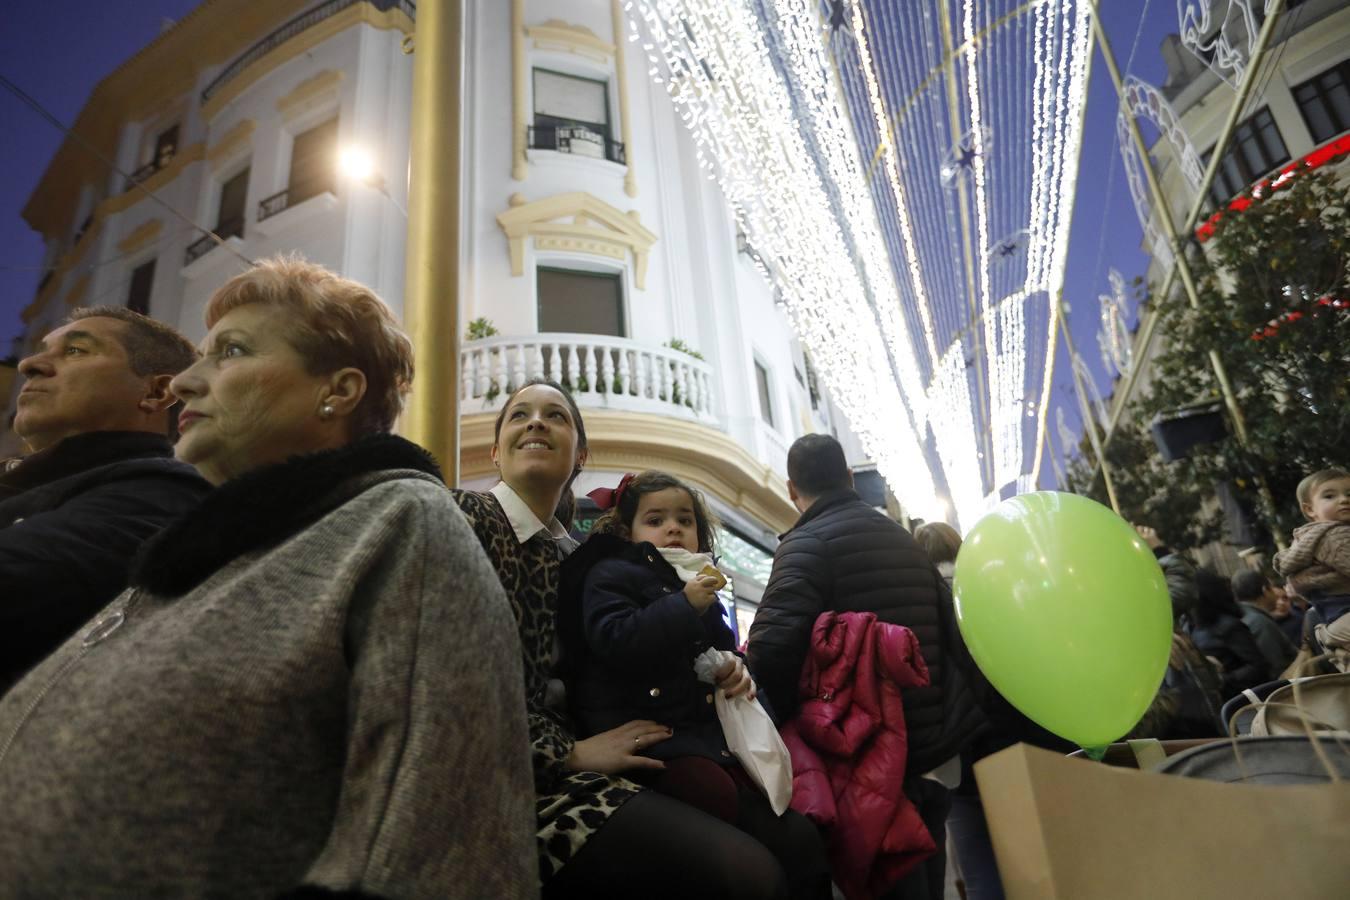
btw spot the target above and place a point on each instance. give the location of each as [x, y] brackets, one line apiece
[630, 638]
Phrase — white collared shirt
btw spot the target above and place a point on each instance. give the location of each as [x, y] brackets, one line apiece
[525, 523]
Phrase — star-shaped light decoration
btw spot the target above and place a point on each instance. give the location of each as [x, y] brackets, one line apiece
[1010, 246]
[961, 158]
[838, 16]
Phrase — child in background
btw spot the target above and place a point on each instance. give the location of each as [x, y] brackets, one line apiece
[1317, 564]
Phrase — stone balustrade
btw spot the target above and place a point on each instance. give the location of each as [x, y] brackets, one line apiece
[600, 370]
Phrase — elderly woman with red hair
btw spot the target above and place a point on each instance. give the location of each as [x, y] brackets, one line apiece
[313, 684]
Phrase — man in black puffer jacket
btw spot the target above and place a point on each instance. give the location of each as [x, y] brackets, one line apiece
[96, 412]
[845, 556]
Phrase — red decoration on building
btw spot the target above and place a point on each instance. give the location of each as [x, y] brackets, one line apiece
[1327, 153]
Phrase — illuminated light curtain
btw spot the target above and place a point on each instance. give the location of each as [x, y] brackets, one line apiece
[930, 309]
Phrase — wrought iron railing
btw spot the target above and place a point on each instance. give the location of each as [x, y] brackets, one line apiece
[302, 22]
[207, 242]
[146, 171]
[270, 206]
[577, 140]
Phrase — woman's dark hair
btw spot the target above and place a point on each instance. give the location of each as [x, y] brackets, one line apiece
[567, 504]
[1214, 598]
[618, 519]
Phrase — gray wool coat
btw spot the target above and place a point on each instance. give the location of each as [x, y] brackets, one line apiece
[294, 692]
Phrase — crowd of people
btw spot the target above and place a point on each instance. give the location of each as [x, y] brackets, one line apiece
[251, 645]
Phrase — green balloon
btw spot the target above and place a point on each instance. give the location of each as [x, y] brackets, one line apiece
[1066, 612]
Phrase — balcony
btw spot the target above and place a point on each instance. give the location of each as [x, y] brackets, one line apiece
[206, 243]
[576, 140]
[601, 371]
[277, 203]
[145, 171]
[295, 26]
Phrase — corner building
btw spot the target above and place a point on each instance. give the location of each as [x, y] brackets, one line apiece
[594, 249]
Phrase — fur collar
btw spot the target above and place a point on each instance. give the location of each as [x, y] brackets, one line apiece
[262, 508]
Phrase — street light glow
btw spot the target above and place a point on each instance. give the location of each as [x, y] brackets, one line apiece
[355, 162]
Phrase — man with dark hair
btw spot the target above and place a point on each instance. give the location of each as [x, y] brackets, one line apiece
[96, 412]
[845, 556]
[1259, 599]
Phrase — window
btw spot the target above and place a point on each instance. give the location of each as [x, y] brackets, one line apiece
[1325, 102]
[166, 145]
[571, 115]
[812, 384]
[142, 279]
[1257, 148]
[765, 404]
[581, 302]
[313, 163]
[230, 216]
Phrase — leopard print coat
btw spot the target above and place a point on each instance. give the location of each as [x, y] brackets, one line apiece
[570, 806]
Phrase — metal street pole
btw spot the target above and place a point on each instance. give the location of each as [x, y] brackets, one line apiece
[1086, 408]
[1180, 264]
[432, 267]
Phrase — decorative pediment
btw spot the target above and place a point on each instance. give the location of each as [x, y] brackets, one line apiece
[577, 223]
[556, 34]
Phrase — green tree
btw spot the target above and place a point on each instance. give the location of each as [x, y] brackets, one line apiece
[1172, 498]
[1273, 286]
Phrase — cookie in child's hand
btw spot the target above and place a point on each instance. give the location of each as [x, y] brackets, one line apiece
[711, 572]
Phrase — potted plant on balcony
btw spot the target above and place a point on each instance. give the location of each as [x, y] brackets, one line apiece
[479, 329]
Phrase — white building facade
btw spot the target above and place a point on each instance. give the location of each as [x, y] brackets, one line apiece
[594, 249]
[1299, 112]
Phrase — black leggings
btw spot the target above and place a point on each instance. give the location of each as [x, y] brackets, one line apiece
[658, 847]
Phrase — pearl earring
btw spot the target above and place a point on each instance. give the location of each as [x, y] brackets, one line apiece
[325, 411]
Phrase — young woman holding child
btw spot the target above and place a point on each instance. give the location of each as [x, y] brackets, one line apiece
[601, 834]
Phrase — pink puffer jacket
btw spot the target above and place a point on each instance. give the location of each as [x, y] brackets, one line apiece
[848, 747]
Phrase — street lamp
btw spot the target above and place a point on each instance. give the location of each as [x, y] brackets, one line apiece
[357, 164]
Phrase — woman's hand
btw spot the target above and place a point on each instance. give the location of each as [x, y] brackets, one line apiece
[616, 750]
[701, 592]
[734, 678]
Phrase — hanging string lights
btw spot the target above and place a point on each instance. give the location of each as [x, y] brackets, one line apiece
[827, 131]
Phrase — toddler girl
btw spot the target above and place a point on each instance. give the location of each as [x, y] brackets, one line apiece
[638, 603]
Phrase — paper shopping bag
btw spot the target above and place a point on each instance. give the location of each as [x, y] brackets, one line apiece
[754, 741]
[1068, 829]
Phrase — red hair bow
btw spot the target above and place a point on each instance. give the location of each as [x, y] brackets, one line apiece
[608, 498]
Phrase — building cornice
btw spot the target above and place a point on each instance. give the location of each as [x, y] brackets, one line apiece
[302, 43]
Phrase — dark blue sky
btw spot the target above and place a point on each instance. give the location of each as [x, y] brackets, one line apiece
[59, 57]
[56, 53]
